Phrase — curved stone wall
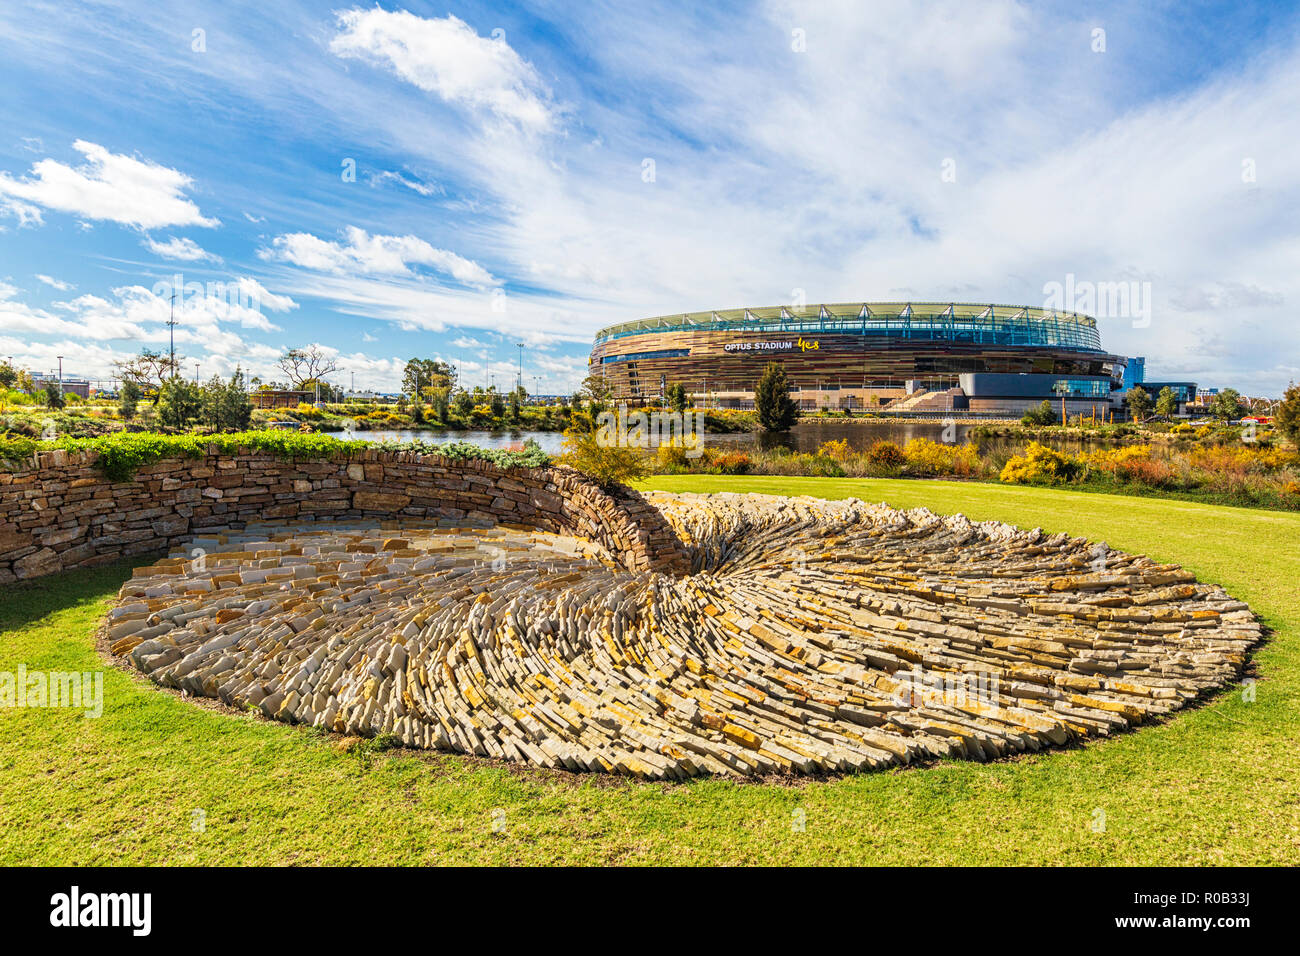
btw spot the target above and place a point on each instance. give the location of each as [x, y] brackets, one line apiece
[59, 512]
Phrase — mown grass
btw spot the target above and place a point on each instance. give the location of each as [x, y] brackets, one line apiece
[1215, 785]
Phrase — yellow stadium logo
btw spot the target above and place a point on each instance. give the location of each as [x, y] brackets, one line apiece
[805, 346]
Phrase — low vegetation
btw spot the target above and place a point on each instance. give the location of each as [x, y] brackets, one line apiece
[1255, 474]
[604, 462]
[123, 453]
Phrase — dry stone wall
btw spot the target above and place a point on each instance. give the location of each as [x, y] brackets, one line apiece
[60, 512]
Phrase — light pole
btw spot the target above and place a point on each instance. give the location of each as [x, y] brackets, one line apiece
[519, 383]
[60, 376]
[196, 373]
[171, 334]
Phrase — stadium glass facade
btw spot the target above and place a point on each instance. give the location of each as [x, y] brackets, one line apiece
[858, 355]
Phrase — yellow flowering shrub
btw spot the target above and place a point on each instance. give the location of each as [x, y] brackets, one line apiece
[1039, 463]
[926, 457]
[838, 450]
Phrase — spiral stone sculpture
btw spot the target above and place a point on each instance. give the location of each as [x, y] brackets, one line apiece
[810, 636]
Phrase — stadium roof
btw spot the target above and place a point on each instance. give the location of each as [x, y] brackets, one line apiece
[955, 321]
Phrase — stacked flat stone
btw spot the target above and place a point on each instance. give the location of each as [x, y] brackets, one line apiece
[811, 636]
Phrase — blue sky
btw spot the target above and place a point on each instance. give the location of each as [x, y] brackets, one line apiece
[830, 151]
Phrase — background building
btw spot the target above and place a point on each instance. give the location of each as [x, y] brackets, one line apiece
[281, 397]
[919, 358]
[71, 385]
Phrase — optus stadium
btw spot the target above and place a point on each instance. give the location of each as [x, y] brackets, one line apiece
[908, 357]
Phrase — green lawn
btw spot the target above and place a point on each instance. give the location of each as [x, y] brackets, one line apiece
[1219, 784]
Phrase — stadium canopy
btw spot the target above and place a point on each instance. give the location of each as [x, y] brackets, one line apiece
[981, 323]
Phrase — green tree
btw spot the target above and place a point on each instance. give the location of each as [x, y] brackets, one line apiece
[1138, 402]
[463, 403]
[179, 403]
[302, 366]
[1166, 402]
[51, 396]
[24, 382]
[128, 398]
[225, 404]
[1287, 417]
[1042, 414]
[326, 391]
[421, 375]
[8, 375]
[497, 404]
[598, 389]
[677, 397]
[776, 409]
[516, 407]
[149, 370]
[1227, 405]
[440, 400]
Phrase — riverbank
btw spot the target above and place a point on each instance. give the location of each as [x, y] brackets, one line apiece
[85, 420]
[1218, 470]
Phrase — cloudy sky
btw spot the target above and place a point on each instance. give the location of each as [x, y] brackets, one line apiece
[449, 180]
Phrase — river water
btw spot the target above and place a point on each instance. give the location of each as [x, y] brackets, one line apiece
[803, 438]
[507, 438]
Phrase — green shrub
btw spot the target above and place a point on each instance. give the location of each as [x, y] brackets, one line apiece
[129, 397]
[1039, 415]
[530, 456]
[17, 447]
[179, 403]
[885, 456]
[605, 463]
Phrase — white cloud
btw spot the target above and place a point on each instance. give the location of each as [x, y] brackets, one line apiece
[254, 219]
[390, 176]
[109, 186]
[204, 313]
[25, 213]
[446, 57]
[373, 255]
[55, 283]
[256, 292]
[18, 316]
[181, 249]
